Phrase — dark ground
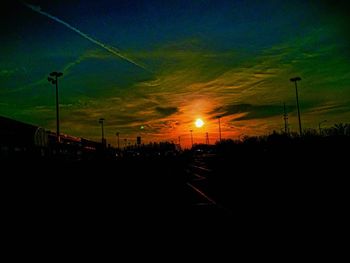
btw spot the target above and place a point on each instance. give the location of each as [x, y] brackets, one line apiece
[254, 189]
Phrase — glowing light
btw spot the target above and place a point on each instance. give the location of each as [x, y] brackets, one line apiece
[199, 123]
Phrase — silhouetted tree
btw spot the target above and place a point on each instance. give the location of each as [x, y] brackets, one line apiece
[339, 129]
[310, 132]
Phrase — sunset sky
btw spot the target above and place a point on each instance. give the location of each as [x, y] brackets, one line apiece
[163, 64]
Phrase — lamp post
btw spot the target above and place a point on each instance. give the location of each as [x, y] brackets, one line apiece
[191, 131]
[319, 126]
[54, 80]
[101, 120]
[117, 139]
[295, 80]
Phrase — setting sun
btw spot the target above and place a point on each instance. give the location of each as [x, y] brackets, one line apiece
[199, 123]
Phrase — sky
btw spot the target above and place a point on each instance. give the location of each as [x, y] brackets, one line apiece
[151, 68]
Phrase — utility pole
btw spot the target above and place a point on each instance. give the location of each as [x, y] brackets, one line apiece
[54, 80]
[295, 80]
[219, 117]
[207, 139]
[191, 131]
[117, 139]
[101, 120]
[319, 126]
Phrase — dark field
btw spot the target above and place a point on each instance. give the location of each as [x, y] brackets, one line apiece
[250, 185]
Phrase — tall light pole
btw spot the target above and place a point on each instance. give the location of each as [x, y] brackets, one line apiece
[101, 120]
[319, 125]
[295, 80]
[117, 139]
[54, 80]
[219, 117]
[191, 131]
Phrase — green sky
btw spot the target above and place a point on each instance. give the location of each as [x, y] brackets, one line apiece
[162, 65]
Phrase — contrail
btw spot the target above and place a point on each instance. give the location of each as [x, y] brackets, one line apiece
[112, 50]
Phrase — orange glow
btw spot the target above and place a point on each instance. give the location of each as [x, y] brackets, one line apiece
[199, 123]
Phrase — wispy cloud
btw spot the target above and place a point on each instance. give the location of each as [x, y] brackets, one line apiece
[90, 54]
[190, 82]
[167, 111]
[249, 111]
[331, 107]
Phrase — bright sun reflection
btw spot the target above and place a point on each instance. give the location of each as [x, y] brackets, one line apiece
[199, 123]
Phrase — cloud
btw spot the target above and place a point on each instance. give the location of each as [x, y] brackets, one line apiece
[167, 111]
[90, 54]
[250, 111]
[248, 89]
[331, 107]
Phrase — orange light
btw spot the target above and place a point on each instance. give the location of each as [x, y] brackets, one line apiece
[199, 123]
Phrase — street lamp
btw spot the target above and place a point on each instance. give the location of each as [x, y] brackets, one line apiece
[101, 120]
[319, 125]
[54, 80]
[295, 80]
[191, 137]
[117, 139]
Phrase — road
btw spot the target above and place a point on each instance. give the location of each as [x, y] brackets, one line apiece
[201, 200]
